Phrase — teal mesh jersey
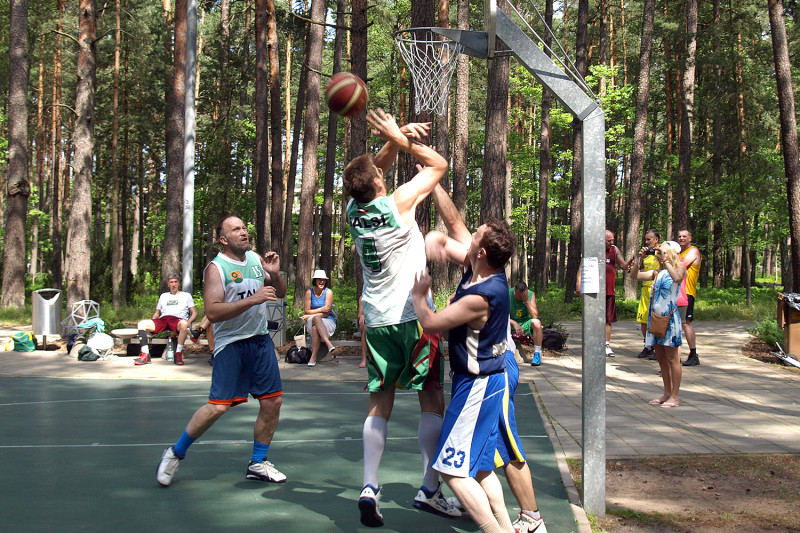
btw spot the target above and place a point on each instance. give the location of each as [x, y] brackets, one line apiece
[391, 256]
[240, 279]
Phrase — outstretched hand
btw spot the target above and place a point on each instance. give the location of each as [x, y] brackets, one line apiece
[384, 125]
[416, 130]
[435, 247]
[422, 285]
[271, 262]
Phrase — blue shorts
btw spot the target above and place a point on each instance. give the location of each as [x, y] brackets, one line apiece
[509, 446]
[246, 366]
[468, 441]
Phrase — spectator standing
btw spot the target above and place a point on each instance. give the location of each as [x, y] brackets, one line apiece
[664, 302]
[614, 261]
[647, 263]
[691, 258]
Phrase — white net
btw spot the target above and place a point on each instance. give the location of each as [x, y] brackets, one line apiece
[432, 60]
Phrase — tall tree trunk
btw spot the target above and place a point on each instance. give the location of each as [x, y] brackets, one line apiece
[791, 157]
[440, 275]
[326, 224]
[716, 156]
[116, 229]
[539, 280]
[493, 184]
[634, 214]
[288, 220]
[305, 233]
[41, 183]
[357, 142]
[18, 187]
[261, 157]
[422, 15]
[56, 150]
[687, 119]
[171, 250]
[576, 204]
[80, 216]
[461, 126]
[276, 224]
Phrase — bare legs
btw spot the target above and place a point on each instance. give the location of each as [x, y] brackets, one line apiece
[319, 336]
[669, 359]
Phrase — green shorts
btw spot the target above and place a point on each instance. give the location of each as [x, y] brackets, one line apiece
[404, 356]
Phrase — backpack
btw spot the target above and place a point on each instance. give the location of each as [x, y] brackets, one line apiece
[24, 341]
[87, 353]
[552, 339]
[297, 355]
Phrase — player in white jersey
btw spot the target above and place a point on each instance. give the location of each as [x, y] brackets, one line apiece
[391, 249]
[238, 283]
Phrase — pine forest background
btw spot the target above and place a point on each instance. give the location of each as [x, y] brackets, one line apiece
[91, 135]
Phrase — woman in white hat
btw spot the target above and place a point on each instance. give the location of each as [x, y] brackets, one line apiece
[664, 304]
[319, 317]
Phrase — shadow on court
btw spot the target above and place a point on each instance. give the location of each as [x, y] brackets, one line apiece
[81, 455]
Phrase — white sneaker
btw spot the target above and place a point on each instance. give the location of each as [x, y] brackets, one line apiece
[436, 504]
[453, 501]
[264, 471]
[609, 351]
[167, 467]
[370, 509]
[528, 524]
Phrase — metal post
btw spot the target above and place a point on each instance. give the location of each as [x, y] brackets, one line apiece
[594, 314]
[188, 147]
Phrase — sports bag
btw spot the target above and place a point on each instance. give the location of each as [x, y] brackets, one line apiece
[297, 355]
[658, 324]
[552, 339]
[24, 341]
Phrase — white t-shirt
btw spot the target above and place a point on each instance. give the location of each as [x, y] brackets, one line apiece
[175, 304]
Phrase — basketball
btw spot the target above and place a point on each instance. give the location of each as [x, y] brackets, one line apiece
[346, 94]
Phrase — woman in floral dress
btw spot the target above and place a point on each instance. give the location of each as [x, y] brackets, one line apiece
[664, 302]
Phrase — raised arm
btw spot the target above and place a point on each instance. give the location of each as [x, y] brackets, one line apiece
[271, 264]
[450, 215]
[472, 309]
[434, 166]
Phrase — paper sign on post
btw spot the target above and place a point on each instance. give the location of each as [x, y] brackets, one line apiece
[590, 276]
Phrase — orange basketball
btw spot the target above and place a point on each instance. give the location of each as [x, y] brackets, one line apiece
[346, 94]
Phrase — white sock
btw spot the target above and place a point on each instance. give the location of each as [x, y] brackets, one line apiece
[374, 442]
[430, 427]
[179, 349]
[537, 348]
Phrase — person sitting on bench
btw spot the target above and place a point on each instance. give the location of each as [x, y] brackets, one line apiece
[175, 312]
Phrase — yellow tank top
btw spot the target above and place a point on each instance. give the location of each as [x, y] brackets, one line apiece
[692, 273]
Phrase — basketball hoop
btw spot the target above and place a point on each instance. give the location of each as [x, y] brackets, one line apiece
[432, 61]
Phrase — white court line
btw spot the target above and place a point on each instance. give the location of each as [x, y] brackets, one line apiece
[209, 442]
[358, 393]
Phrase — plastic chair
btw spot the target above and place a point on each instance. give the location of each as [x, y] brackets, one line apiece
[83, 312]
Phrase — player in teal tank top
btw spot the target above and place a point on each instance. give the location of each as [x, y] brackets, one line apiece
[238, 284]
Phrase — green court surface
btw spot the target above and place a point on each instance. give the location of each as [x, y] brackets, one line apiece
[81, 455]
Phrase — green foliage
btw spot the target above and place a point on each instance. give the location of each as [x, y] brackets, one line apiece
[767, 330]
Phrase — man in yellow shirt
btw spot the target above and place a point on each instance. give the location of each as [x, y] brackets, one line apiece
[691, 258]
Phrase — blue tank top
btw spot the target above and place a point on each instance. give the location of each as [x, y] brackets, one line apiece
[482, 352]
[316, 303]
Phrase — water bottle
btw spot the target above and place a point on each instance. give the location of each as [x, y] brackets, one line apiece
[170, 351]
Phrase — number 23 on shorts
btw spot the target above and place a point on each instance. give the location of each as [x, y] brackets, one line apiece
[452, 453]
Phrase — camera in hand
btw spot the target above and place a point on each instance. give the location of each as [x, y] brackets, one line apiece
[650, 251]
